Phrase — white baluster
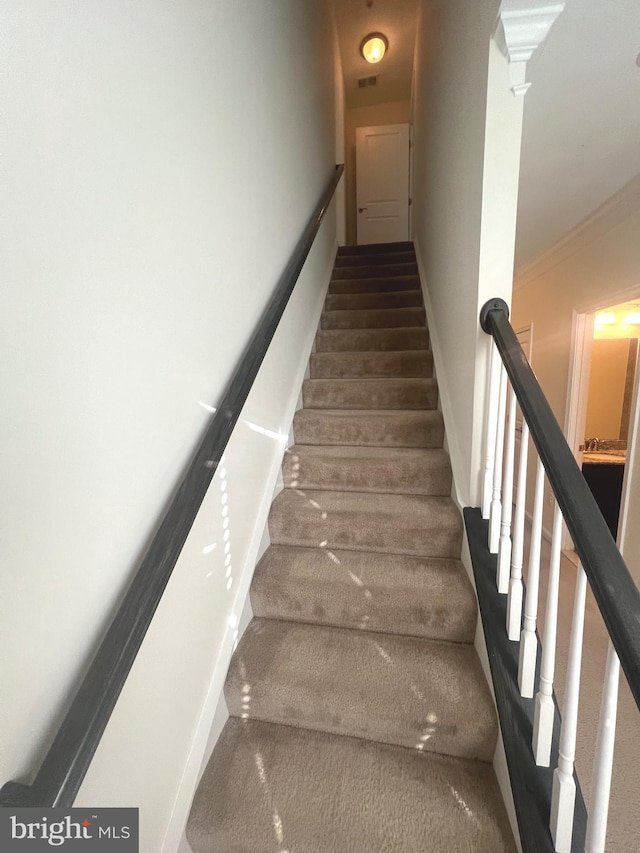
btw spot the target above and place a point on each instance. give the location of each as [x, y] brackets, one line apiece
[528, 639]
[514, 601]
[545, 707]
[563, 795]
[504, 545]
[496, 505]
[492, 426]
[603, 761]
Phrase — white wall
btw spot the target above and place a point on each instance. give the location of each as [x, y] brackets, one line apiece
[161, 162]
[596, 265]
[467, 128]
[339, 108]
[466, 154]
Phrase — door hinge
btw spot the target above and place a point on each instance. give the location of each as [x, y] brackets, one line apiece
[410, 202]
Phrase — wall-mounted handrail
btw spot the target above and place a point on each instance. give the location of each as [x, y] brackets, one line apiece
[613, 587]
[68, 759]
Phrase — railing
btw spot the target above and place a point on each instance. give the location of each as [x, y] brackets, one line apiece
[512, 382]
[68, 759]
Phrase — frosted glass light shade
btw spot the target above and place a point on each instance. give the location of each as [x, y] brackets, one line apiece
[373, 47]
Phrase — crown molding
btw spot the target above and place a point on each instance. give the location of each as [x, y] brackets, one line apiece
[616, 210]
[520, 29]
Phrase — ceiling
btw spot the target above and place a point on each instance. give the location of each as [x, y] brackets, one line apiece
[397, 20]
[581, 136]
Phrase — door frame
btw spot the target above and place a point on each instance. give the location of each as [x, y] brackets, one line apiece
[578, 392]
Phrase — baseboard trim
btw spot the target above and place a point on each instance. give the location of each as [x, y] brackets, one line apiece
[531, 785]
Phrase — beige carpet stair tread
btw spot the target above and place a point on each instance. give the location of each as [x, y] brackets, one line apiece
[372, 340]
[390, 524]
[375, 271]
[360, 301]
[271, 788]
[397, 470]
[414, 596]
[381, 318]
[369, 428]
[404, 691]
[371, 365]
[368, 258]
[390, 284]
[370, 393]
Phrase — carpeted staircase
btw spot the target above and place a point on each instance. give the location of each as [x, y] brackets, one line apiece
[360, 721]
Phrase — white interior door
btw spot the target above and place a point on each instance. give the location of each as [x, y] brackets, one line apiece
[382, 183]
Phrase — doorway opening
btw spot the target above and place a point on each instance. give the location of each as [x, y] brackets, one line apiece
[603, 386]
[382, 183]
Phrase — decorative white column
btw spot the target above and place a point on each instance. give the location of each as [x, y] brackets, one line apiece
[520, 29]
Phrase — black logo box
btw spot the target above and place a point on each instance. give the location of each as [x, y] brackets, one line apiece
[35, 830]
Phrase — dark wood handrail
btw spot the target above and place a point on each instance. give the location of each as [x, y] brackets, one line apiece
[68, 759]
[613, 587]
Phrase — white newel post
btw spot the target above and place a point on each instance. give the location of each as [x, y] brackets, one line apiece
[496, 505]
[514, 601]
[603, 760]
[544, 712]
[563, 795]
[528, 639]
[492, 426]
[504, 546]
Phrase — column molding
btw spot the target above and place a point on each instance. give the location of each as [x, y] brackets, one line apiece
[519, 31]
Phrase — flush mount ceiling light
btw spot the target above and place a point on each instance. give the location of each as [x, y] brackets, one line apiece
[374, 46]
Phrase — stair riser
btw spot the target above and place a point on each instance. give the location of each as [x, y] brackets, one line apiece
[318, 678]
[372, 340]
[388, 318]
[411, 476]
[369, 394]
[376, 249]
[371, 429]
[430, 528]
[374, 285]
[369, 365]
[375, 271]
[409, 596]
[379, 262]
[360, 301]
